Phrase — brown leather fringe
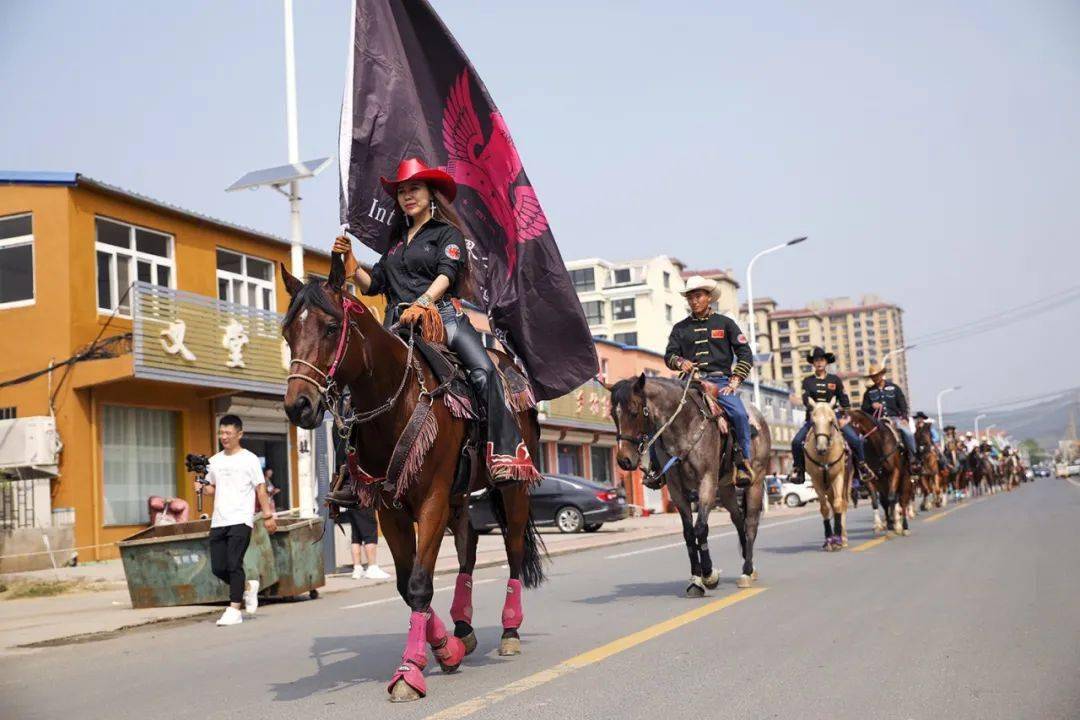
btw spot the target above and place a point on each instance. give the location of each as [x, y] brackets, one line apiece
[431, 326]
[459, 407]
[414, 461]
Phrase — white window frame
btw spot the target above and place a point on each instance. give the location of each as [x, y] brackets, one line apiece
[17, 242]
[133, 257]
[243, 277]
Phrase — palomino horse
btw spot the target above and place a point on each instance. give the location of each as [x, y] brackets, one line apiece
[930, 479]
[336, 342]
[889, 462]
[660, 412]
[830, 469]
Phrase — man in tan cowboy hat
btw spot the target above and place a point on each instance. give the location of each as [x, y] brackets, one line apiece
[708, 342]
[884, 399]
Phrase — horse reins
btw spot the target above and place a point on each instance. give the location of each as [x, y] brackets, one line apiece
[329, 393]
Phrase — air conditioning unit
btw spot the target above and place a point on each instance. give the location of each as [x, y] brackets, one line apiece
[29, 447]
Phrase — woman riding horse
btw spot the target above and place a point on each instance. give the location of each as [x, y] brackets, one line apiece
[422, 276]
[408, 431]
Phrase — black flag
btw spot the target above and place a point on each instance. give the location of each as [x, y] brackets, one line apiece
[410, 91]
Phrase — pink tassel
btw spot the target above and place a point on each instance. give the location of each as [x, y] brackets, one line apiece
[512, 614]
[462, 608]
[458, 406]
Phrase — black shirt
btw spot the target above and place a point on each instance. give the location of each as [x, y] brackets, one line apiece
[890, 395]
[406, 271]
[712, 343]
[824, 389]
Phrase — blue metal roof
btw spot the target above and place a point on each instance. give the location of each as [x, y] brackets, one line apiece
[38, 177]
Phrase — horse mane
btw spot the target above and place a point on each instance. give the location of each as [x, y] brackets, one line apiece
[311, 293]
[623, 389]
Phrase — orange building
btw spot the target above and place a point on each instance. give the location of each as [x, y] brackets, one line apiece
[156, 321]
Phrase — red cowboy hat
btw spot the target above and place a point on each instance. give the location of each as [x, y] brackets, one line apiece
[414, 169]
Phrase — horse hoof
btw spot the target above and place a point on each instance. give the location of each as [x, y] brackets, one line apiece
[693, 590]
[712, 581]
[844, 543]
[401, 692]
[510, 646]
[453, 652]
[469, 641]
[744, 581]
[906, 532]
[753, 576]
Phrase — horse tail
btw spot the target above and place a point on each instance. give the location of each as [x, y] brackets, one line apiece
[532, 565]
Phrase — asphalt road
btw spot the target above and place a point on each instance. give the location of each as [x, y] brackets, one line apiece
[976, 615]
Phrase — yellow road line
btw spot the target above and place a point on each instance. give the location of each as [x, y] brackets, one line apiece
[869, 544]
[590, 657]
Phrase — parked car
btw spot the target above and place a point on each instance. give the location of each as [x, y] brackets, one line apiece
[797, 495]
[1042, 472]
[570, 503]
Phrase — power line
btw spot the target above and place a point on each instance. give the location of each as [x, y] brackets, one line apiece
[999, 319]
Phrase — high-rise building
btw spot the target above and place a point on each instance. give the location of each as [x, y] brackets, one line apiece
[858, 332]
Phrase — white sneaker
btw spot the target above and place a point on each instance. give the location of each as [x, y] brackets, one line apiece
[374, 572]
[251, 597]
[231, 616]
[358, 573]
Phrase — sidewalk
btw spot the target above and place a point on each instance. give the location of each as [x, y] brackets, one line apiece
[107, 608]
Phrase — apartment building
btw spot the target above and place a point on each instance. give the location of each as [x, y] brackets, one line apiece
[632, 303]
[859, 332]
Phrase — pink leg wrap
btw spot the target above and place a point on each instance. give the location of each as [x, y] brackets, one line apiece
[448, 649]
[512, 614]
[414, 659]
[461, 608]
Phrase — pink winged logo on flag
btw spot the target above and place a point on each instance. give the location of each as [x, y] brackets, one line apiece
[490, 167]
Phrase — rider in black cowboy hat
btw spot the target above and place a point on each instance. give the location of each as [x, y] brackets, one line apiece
[823, 386]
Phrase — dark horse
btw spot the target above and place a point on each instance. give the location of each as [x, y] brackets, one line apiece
[701, 470]
[932, 479]
[336, 342]
[892, 482]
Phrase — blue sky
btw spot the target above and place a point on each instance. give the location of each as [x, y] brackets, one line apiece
[927, 148]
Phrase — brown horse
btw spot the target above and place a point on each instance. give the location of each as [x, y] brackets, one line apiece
[700, 470]
[830, 469]
[930, 479]
[892, 475]
[335, 343]
[953, 477]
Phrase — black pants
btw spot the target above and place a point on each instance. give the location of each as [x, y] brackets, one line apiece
[365, 530]
[227, 547]
[468, 345]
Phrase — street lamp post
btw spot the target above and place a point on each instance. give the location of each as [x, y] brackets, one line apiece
[977, 419]
[940, 418]
[750, 312]
[986, 431]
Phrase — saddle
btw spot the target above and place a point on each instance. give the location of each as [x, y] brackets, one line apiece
[707, 400]
[451, 374]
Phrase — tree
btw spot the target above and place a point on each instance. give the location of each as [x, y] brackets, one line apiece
[1034, 450]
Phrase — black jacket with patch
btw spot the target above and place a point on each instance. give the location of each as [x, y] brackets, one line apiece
[823, 390]
[712, 343]
[890, 395]
[406, 271]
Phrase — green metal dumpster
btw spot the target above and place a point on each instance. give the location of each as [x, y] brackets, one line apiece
[169, 565]
[298, 555]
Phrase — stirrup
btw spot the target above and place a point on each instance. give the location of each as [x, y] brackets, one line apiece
[744, 475]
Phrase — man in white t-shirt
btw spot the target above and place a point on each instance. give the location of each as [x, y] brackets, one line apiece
[235, 479]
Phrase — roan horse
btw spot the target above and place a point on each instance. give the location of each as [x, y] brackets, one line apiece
[889, 462]
[930, 479]
[337, 342]
[699, 470]
[830, 469]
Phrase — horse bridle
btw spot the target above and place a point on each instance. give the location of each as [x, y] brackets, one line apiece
[330, 393]
[645, 441]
